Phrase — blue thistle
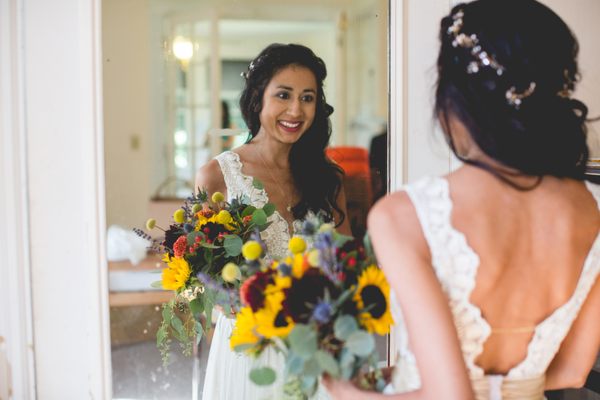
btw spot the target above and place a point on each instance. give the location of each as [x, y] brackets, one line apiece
[322, 313]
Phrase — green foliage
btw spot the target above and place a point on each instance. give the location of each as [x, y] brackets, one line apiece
[360, 343]
[233, 245]
[344, 326]
[259, 217]
[257, 184]
[263, 376]
[303, 341]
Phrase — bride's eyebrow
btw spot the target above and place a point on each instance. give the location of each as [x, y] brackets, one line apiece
[291, 89]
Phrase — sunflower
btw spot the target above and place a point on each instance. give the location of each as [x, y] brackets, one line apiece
[176, 275]
[271, 319]
[373, 296]
[244, 333]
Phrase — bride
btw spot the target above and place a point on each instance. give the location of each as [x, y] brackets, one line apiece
[496, 266]
[284, 107]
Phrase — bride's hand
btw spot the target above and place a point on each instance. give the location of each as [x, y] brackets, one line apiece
[342, 390]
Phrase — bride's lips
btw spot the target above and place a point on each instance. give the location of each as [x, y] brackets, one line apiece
[290, 126]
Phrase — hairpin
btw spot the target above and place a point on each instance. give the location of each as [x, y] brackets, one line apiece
[251, 67]
[515, 98]
[483, 58]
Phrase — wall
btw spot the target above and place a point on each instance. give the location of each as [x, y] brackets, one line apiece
[127, 110]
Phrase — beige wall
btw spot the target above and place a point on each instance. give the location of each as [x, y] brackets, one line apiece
[126, 56]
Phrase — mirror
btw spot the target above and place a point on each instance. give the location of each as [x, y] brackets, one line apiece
[171, 82]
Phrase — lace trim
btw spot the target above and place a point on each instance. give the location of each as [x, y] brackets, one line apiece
[454, 262]
[277, 235]
[550, 333]
[456, 265]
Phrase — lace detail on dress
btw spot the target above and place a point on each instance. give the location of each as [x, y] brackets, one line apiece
[550, 333]
[454, 262]
[277, 235]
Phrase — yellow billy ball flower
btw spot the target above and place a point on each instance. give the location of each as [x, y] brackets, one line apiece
[197, 207]
[313, 258]
[150, 224]
[217, 197]
[251, 250]
[224, 217]
[179, 216]
[231, 272]
[297, 245]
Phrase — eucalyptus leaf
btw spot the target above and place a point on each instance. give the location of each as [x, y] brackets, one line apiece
[243, 347]
[248, 211]
[263, 376]
[269, 209]
[344, 326]
[199, 332]
[209, 246]
[257, 184]
[259, 217]
[312, 367]
[308, 384]
[328, 363]
[167, 313]
[233, 245]
[360, 343]
[177, 325]
[156, 284]
[197, 306]
[347, 364]
[161, 335]
[294, 365]
[303, 341]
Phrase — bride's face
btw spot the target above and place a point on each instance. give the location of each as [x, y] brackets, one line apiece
[289, 104]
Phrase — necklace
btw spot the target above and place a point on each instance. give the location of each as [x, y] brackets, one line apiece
[289, 205]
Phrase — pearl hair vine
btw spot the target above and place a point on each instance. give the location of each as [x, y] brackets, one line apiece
[483, 59]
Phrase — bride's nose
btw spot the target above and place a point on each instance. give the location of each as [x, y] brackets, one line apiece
[295, 108]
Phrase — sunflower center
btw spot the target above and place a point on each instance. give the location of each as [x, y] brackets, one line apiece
[373, 297]
[280, 321]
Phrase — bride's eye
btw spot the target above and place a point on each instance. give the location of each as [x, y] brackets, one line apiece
[308, 98]
[283, 95]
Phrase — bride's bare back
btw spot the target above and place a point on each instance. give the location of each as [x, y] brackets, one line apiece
[532, 246]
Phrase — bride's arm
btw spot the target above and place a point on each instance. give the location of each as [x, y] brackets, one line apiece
[579, 350]
[210, 177]
[403, 254]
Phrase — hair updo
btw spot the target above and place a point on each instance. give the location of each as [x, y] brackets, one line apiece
[317, 178]
[546, 133]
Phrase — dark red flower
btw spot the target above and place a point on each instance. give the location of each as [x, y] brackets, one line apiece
[252, 290]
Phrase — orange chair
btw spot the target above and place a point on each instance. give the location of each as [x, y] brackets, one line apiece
[357, 184]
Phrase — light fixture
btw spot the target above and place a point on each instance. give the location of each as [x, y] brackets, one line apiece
[183, 49]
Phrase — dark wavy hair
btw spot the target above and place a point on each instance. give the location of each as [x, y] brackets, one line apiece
[546, 135]
[318, 179]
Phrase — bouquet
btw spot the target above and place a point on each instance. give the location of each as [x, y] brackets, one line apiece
[202, 249]
[320, 306]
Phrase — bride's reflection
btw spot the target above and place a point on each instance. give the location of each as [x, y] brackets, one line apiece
[171, 93]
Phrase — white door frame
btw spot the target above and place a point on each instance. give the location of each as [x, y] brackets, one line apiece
[54, 292]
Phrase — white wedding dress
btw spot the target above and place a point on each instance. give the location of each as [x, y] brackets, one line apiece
[456, 264]
[227, 372]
